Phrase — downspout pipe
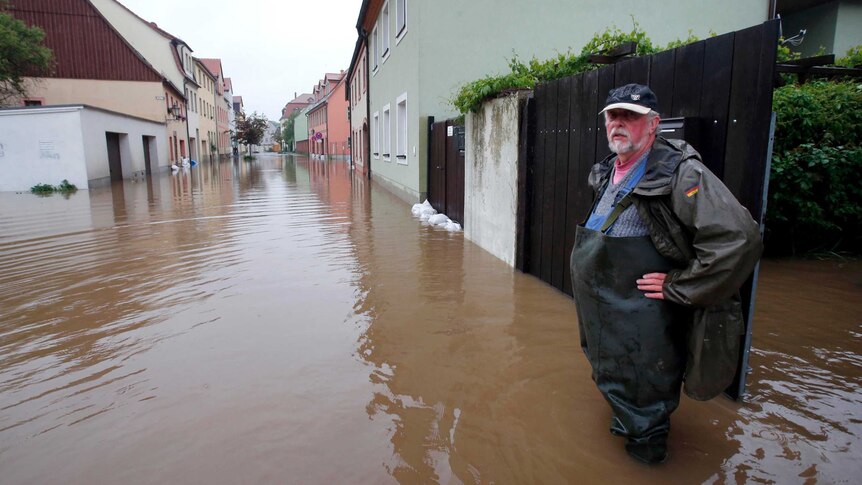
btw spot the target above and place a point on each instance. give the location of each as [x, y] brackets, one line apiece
[364, 35]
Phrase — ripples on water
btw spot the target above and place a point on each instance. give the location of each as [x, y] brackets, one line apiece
[283, 321]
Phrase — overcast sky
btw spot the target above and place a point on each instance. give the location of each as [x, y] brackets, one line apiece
[269, 49]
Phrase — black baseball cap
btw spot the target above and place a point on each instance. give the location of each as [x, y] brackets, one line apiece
[633, 97]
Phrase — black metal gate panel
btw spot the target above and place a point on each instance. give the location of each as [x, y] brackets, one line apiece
[724, 83]
[446, 169]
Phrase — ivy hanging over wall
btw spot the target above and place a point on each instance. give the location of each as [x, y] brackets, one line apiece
[523, 75]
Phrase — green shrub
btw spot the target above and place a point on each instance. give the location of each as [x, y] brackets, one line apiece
[525, 76]
[42, 189]
[64, 187]
[815, 195]
[853, 58]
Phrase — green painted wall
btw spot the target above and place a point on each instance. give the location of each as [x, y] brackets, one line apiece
[300, 126]
[396, 75]
[450, 42]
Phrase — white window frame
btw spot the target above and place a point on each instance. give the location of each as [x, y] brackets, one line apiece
[375, 50]
[384, 20]
[400, 33]
[401, 134]
[376, 125]
[386, 149]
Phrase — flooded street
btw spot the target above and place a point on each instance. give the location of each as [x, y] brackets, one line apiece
[281, 321]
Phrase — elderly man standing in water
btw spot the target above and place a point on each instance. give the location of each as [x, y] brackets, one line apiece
[656, 271]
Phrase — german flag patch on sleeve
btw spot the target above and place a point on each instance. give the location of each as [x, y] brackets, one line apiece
[690, 192]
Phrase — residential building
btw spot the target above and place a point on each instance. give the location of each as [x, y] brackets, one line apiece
[100, 69]
[268, 139]
[239, 113]
[464, 41]
[222, 107]
[296, 105]
[300, 132]
[328, 128]
[833, 26]
[231, 112]
[206, 106]
[170, 56]
[357, 94]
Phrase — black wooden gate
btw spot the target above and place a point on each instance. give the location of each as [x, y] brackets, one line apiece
[724, 83]
[446, 168]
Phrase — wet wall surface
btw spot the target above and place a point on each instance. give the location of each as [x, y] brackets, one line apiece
[281, 321]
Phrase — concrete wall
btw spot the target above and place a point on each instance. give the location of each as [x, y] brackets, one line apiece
[49, 144]
[136, 98]
[491, 176]
[459, 41]
[41, 146]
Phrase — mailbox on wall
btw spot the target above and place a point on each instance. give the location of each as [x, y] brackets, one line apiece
[688, 129]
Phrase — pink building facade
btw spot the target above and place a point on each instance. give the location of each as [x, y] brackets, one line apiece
[328, 126]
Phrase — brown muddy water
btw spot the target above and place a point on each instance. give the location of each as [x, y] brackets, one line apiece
[282, 322]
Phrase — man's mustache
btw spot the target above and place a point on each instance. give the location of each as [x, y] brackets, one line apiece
[620, 131]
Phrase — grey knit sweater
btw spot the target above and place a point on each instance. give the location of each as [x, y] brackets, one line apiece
[629, 222]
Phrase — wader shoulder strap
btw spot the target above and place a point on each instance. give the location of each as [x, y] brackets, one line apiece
[622, 205]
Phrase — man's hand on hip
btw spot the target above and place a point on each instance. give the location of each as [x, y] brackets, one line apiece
[651, 284]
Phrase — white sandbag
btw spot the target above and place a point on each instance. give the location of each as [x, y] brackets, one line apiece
[438, 219]
[452, 226]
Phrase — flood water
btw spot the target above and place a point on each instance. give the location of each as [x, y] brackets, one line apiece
[281, 321]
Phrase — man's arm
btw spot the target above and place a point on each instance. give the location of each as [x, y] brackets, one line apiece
[725, 239]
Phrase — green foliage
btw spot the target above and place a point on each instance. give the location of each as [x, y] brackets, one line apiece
[815, 198]
[287, 129]
[248, 158]
[852, 59]
[42, 189]
[250, 129]
[21, 54]
[64, 187]
[525, 76]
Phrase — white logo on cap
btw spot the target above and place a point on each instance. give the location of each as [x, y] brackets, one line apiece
[636, 97]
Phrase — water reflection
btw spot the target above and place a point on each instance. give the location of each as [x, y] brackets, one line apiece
[284, 321]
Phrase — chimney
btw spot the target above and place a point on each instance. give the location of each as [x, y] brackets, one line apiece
[294, 95]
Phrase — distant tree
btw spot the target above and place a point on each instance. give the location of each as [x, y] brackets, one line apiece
[277, 134]
[287, 129]
[250, 129]
[21, 55]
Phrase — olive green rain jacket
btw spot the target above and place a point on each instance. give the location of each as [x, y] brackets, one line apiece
[695, 222]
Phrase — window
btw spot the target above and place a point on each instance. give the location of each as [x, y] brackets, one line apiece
[400, 19]
[375, 143]
[401, 129]
[384, 19]
[385, 133]
[375, 46]
[32, 102]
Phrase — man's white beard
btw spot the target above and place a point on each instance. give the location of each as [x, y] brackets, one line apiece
[621, 146]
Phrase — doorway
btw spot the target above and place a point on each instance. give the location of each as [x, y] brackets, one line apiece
[147, 167]
[115, 165]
